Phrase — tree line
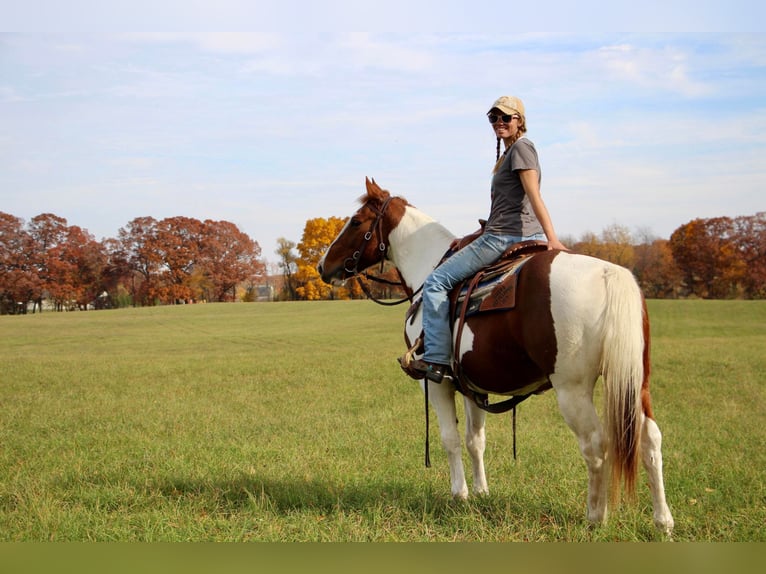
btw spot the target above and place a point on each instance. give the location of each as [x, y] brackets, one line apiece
[716, 258]
[181, 259]
[177, 259]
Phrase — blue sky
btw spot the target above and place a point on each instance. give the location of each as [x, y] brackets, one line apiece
[643, 130]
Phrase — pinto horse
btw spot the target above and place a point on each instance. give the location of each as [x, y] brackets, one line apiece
[576, 318]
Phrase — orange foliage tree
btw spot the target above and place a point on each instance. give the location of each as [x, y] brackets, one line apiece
[150, 262]
[614, 245]
[137, 251]
[318, 233]
[183, 259]
[228, 257]
[656, 270]
[75, 269]
[708, 255]
[751, 242]
[177, 245]
[48, 259]
[46, 232]
[19, 281]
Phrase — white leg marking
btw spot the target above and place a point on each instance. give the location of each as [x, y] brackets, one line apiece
[580, 414]
[442, 398]
[651, 454]
[475, 441]
[475, 418]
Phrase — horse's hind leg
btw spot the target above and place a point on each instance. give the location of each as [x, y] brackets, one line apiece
[475, 442]
[442, 398]
[651, 454]
[577, 408]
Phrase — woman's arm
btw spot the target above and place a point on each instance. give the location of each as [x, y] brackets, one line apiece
[530, 180]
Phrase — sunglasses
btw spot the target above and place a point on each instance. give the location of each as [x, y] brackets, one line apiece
[506, 118]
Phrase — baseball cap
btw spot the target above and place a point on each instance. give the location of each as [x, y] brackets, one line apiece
[508, 105]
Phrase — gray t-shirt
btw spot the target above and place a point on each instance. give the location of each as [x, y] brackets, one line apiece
[511, 213]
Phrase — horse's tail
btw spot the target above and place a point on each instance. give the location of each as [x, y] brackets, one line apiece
[625, 369]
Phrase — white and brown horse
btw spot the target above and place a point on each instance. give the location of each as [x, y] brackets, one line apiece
[576, 318]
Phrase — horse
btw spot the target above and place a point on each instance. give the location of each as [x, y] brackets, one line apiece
[576, 318]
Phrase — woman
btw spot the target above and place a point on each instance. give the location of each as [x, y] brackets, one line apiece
[517, 214]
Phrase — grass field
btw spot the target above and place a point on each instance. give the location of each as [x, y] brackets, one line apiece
[293, 422]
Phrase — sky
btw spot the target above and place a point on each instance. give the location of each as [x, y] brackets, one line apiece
[267, 130]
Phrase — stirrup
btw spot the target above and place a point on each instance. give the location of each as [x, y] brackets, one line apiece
[431, 371]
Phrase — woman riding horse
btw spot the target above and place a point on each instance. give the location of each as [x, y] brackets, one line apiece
[517, 213]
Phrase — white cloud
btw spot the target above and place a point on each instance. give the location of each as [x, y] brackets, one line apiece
[215, 42]
[365, 51]
[664, 69]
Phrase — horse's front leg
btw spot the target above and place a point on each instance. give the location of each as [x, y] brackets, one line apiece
[442, 399]
[475, 442]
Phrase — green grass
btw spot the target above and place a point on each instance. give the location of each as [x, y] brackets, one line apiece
[293, 422]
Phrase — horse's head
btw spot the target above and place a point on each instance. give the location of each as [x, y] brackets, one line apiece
[363, 241]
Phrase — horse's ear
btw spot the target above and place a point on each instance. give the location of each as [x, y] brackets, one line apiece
[373, 189]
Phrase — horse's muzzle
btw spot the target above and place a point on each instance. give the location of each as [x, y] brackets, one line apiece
[328, 276]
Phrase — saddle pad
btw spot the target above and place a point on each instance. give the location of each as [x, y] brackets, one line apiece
[494, 293]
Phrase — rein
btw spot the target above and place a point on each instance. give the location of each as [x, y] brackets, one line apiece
[402, 284]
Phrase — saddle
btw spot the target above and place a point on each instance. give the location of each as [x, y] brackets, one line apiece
[493, 288]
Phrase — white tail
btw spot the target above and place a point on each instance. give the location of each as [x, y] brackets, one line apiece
[623, 369]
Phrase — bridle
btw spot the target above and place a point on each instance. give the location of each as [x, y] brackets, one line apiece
[382, 247]
[376, 228]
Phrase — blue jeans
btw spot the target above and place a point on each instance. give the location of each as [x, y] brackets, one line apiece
[486, 249]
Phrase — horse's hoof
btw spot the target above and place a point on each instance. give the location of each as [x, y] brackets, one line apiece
[665, 527]
[461, 495]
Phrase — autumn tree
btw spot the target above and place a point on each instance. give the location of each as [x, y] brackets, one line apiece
[75, 267]
[614, 245]
[709, 258]
[19, 281]
[46, 232]
[137, 247]
[656, 270]
[182, 259]
[177, 245]
[177, 258]
[751, 244]
[288, 263]
[227, 257]
[118, 277]
[317, 236]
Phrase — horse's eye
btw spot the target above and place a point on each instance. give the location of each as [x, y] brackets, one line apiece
[355, 222]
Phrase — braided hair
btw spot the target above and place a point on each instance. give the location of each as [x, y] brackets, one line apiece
[521, 131]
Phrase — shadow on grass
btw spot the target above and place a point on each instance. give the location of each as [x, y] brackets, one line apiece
[284, 495]
[394, 500]
[403, 503]
[376, 496]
